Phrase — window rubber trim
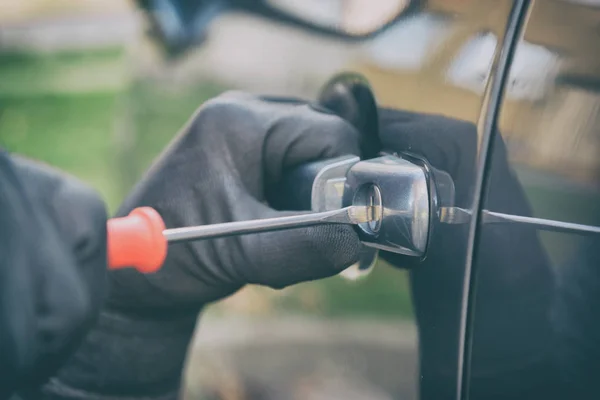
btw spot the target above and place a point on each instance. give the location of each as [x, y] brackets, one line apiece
[491, 113]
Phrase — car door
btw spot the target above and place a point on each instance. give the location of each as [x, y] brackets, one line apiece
[449, 60]
[534, 274]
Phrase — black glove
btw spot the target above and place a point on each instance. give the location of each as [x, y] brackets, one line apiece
[219, 169]
[234, 150]
[52, 270]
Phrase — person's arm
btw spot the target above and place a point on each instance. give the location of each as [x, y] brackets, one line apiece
[126, 356]
[218, 169]
[52, 269]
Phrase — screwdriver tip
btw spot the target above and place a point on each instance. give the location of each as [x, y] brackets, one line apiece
[363, 214]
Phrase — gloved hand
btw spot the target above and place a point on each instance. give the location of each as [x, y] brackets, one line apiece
[233, 151]
[219, 169]
[52, 269]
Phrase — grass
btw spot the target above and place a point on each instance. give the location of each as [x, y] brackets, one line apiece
[29, 74]
[82, 113]
[69, 132]
[159, 113]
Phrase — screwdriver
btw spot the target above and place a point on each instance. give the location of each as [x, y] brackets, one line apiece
[140, 239]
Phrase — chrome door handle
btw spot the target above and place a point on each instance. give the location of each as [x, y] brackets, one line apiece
[405, 188]
[409, 195]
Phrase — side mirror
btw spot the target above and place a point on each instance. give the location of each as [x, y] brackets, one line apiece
[178, 25]
[346, 19]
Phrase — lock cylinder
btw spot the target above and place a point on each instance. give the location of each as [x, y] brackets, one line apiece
[397, 190]
[369, 196]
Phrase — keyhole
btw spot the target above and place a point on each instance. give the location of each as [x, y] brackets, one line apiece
[370, 197]
[375, 209]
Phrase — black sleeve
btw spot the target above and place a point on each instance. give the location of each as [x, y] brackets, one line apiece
[17, 290]
[52, 262]
[126, 358]
[45, 304]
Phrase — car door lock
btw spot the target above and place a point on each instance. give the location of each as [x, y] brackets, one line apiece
[405, 194]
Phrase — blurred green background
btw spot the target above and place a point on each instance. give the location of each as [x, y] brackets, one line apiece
[106, 133]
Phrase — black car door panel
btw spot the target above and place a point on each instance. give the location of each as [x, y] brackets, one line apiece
[532, 324]
[445, 61]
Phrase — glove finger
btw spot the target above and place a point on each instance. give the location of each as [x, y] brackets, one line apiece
[307, 134]
[283, 258]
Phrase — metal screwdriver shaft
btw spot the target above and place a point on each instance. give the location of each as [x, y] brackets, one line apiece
[350, 215]
[140, 239]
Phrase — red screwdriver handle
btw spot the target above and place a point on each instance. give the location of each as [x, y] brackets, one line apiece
[137, 241]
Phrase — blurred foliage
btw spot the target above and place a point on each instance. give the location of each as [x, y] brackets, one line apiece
[35, 74]
[57, 109]
[70, 132]
[159, 112]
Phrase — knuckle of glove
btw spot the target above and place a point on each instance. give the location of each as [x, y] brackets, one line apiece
[228, 104]
[340, 137]
[306, 135]
[226, 123]
[217, 109]
[337, 133]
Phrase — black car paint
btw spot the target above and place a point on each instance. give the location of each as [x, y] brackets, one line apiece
[489, 326]
[440, 285]
[490, 129]
[560, 186]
